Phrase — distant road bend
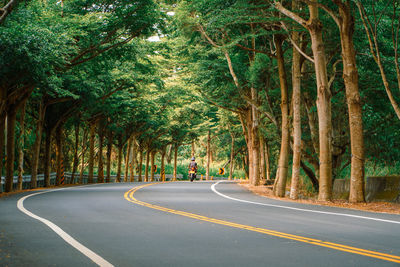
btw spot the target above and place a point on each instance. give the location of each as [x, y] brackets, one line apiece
[188, 224]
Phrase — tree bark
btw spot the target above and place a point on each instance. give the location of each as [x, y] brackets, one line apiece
[84, 148]
[162, 169]
[100, 169]
[268, 168]
[146, 170]
[193, 149]
[133, 160]
[280, 185]
[262, 159]
[208, 156]
[120, 148]
[59, 155]
[92, 127]
[232, 157]
[246, 126]
[2, 144]
[169, 154]
[140, 165]
[296, 96]
[175, 161]
[109, 152]
[76, 158]
[47, 158]
[312, 123]
[350, 77]
[323, 107]
[255, 146]
[37, 144]
[152, 157]
[21, 144]
[127, 159]
[11, 120]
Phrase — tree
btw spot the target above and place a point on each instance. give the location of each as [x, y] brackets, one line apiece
[314, 26]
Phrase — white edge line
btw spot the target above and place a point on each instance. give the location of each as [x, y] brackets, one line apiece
[298, 209]
[69, 239]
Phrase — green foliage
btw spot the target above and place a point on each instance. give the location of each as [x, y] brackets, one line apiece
[91, 60]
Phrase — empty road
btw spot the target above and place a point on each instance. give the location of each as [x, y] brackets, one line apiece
[187, 224]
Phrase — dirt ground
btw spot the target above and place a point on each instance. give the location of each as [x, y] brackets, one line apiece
[381, 207]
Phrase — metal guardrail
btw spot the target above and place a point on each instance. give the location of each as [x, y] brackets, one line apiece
[26, 179]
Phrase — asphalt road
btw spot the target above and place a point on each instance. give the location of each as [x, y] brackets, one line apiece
[187, 224]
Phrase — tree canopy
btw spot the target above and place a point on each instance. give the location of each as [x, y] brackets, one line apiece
[297, 91]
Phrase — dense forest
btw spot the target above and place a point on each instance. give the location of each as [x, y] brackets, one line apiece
[291, 93]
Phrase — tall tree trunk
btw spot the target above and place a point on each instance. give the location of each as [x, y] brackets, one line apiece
[296, 84]
[262, 159]
[323, 106]
[268, 168]
[152, 156]
[162, 169]
[76, 158]
[280, 184]
[84, 148]
[245, 121]
[140, 167]
[193, 149]
[3, 101]
[92, 137]
[37, 144]
[133, 160]
[100, 169]
[59, 155]
[232, 157]
[21, 144]
[127, 159]
[255, 147]
[109, 152]
[175, 161]
[120, 148]
[169, 154]
[47, 158]
[244, 161]
[146, 170]
[350, 77]
[208, 155]
[312, 123]
[11, 120]
[2, 143]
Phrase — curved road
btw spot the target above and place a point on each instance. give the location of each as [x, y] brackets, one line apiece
[187, 224]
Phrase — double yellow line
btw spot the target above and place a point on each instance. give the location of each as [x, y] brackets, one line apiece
[369, 253]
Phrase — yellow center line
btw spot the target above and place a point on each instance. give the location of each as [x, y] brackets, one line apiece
[369, 253]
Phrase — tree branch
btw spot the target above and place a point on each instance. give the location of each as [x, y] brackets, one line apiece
[254, 50]
[6, 10]
[203, 32]
[296, 46]
[220, 106]
[290, 14]
[326, 9]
